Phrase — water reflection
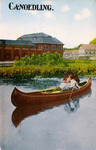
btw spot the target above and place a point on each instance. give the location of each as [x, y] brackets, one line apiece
[32, 83]
[72, 106]
[20, 113]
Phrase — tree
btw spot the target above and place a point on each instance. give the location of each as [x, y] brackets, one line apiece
[93, 41]
[75, 48]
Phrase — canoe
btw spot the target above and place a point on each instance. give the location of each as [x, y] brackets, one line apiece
[23, 112]
[19, 98]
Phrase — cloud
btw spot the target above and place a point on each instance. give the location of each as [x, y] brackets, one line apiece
[65, 8]
[78, 17]
[84, 13]
[48, 14]
[47, 2]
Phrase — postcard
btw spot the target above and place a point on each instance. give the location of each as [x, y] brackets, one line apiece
[47, 75]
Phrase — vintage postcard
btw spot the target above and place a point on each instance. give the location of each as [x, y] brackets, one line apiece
[47, 74]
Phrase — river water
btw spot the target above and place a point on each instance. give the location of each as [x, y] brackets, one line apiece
[69, 126]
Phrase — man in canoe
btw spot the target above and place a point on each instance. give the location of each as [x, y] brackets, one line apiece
[69, 84]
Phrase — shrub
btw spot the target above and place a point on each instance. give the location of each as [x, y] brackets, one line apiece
[43, 59]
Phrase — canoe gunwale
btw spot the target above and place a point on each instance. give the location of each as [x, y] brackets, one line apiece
[34, 94]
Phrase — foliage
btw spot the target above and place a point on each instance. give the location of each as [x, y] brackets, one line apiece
[75, 48]
[44, 59]
[93, 41]
[47, 65]
[27, 71]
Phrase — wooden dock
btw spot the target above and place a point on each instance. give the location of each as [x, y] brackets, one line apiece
[6, 63]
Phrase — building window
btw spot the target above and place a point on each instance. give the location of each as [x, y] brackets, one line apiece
[44, 47]
[54, 47]
[47, 47]
[60, 47]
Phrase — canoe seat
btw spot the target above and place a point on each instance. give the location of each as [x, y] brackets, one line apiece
[52, 92]
[82, 83]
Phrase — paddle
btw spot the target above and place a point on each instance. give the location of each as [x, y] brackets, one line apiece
[71, 95]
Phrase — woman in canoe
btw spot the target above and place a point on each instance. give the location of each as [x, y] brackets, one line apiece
[69, 84]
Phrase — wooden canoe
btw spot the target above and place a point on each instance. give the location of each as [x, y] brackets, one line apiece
[22, 112]
[19, 98]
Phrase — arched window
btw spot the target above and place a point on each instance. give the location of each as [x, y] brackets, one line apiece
[47, 47]
[58, 47]
[44, 47]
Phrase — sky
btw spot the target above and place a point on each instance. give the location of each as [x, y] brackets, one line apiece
[73, 22]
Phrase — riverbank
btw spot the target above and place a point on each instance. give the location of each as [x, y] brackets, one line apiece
[47, 71]
[48, 65]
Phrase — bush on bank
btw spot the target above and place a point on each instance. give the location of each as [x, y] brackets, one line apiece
[41, 60]
[30, 70]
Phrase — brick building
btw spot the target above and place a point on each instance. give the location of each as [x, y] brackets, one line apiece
[29, 44]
